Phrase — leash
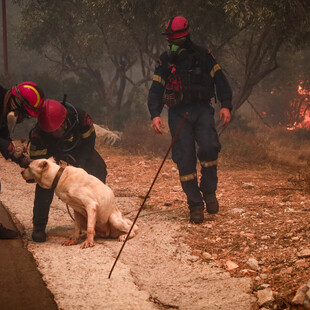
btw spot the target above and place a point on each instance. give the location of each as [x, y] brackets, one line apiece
[148, 193]
[70, 213]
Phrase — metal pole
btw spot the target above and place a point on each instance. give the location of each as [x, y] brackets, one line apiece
[5, 41]
[148, 193]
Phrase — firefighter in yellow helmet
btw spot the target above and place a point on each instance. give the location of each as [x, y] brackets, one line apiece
[21, 101]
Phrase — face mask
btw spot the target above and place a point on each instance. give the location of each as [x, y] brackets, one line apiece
[174, 48]
[177, 52]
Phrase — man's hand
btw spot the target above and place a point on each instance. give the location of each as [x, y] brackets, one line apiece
[225, 116]
[24, 161]
[11, 149]
[158, 124]
[18, 155]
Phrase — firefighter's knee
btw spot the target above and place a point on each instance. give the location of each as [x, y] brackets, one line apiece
[185, 159]
[209, 153]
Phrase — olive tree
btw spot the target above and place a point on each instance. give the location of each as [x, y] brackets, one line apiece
[115, 43]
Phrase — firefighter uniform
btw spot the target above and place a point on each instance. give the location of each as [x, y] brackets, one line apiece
[6, 106]
[77, 149]
[5, 139]
[5, 142]
[186, 82]
[22, 101]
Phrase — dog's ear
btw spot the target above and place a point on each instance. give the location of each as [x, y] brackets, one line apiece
[43, 165]
[52, 159]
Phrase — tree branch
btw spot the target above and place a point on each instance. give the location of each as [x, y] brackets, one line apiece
[258, 114]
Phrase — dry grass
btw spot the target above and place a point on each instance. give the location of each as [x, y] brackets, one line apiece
[277, 146]
[142, 140]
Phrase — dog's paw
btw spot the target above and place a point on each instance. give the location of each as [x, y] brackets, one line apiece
[70, 242]
[87, 244]
[122, 238]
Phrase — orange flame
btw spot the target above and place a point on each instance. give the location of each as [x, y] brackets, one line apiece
[301, 108]
[302, 91]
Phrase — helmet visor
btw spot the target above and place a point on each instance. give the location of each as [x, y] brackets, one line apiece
[177, 42]
[22, 111]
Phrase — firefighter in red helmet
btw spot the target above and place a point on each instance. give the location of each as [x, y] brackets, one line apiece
[67, 134]
[29, 97]
[186, 78]
[176, 28]
[21, 101]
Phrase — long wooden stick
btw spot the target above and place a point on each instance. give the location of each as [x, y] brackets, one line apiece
[148, 193]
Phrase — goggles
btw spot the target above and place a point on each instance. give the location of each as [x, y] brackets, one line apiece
[178, 41]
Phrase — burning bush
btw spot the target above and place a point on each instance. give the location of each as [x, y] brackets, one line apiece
[299, 113]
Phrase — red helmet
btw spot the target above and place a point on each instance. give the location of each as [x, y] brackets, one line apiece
[177, 27]
[52, 115]
[30, 96]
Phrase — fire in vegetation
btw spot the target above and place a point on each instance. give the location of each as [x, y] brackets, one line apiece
[299, 115]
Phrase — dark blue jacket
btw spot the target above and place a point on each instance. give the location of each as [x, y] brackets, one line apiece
[80, 143]
[4, 131]
[211, 69]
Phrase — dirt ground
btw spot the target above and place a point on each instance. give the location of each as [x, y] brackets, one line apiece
[265, 212]
[172, 264]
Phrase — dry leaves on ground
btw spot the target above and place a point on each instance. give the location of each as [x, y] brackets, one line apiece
[264, 215]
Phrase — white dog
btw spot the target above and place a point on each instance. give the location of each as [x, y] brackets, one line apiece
[93, 202]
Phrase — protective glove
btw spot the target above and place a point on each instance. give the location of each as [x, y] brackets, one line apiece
[18, 156]
[10, 150]
[24, 161]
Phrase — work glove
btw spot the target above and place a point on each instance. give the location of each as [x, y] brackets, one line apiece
[24, 161]
[18, 156]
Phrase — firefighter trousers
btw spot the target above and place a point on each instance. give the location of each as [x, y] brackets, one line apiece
[198, 138]
[94, 165]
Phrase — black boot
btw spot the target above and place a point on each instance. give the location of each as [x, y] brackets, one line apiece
[196, 216]
[212, 204]
[38, 234]
[6, 233]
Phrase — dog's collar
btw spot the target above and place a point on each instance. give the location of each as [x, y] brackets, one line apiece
[57, 177]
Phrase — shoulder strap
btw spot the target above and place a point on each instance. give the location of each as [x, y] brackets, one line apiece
[210, 53]
[200, 55]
